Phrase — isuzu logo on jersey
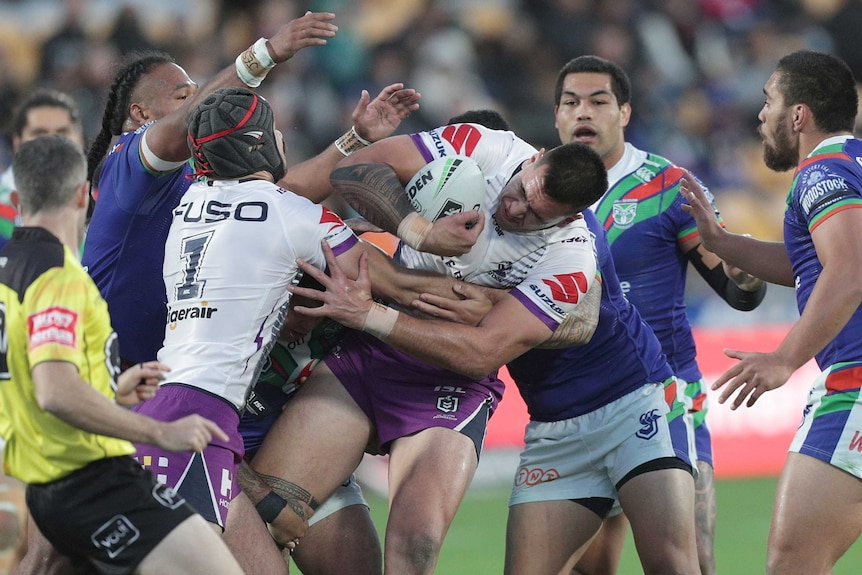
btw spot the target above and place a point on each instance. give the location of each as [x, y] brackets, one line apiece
[53, 325]
[115, 535]
[625, 212]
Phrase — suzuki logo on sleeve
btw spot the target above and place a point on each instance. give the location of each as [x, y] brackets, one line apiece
[115, 535]
[568, 287]
[463, 138]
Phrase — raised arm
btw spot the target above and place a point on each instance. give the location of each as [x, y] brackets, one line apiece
[373, 120]
[167, 137]
[765, 260]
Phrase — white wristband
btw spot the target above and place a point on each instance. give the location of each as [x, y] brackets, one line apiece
[380, 321]
[350, 141]
[254, 64]
[413, 229]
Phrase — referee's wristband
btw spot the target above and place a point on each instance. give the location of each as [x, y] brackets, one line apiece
[270, 506]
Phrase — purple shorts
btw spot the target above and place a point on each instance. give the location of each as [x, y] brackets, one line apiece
[402, 395]
[206, 480]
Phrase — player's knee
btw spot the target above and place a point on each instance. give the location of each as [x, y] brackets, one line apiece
[420, 550]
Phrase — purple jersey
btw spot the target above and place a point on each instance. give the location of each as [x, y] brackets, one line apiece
[623, 354]
[642, 215]
[827, 182]
[125, 245]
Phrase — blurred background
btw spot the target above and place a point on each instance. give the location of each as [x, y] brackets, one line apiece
[697, 68]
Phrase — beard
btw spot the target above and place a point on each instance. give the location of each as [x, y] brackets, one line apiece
[784, 154]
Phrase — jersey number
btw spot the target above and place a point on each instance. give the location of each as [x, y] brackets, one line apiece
[192, 251]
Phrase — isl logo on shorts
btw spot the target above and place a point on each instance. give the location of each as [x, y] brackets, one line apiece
[447, 404]
[115, 535]
[649, 427]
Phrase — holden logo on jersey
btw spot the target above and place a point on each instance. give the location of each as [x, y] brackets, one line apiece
[195, 312]
[447, 404]
[649, 426]
[625, 212]
[115, 535]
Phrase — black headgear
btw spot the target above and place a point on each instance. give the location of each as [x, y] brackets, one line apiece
[232, 135]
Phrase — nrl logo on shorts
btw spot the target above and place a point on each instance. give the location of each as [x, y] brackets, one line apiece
[447, 404]
[625, 212]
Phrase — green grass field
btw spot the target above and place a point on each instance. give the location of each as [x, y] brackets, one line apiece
[475, 541]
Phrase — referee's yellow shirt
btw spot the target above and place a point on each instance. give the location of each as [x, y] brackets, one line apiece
[50, 310]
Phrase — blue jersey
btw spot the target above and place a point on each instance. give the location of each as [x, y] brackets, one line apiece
[125, 246]
[622, 355]
[827, 182]
[645, 224]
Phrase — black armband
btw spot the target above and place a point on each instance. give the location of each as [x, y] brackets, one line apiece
[270, 506]
[735, 296]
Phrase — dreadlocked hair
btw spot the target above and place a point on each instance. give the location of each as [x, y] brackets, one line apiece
[117, 107]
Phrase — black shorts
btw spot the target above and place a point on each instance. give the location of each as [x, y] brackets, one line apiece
[109, 514]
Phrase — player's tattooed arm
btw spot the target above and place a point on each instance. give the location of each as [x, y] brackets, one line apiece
[580, 324]
[374, 191]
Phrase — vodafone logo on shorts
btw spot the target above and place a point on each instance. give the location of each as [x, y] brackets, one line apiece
[55, 325]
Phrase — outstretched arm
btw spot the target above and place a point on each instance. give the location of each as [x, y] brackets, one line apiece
[506, 332]
[765, 260]
[836, 296]
[167, 137]
[373, 120]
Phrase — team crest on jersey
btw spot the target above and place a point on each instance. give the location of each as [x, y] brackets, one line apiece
[447, 404]
[625, 212]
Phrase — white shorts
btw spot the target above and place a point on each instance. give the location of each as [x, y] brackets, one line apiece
[832, 420]
[587, 456]
[348, 493]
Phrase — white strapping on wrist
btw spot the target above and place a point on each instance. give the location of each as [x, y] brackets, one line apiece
[413, 229]
[254, 64]
[350, 141]
[380, 321]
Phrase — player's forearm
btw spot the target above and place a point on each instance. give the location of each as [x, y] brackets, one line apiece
[401, 285]
[835, 298]
[78, 404]
[765, 260]
[375, 192]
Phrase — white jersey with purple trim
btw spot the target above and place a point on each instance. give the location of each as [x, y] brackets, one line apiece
[548, 270]
[230, 256]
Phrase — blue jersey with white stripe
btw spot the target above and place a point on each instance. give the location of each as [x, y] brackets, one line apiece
[125, 245]
[622, 356]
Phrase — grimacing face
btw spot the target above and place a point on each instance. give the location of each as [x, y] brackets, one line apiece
[524, 206]
[588, 112]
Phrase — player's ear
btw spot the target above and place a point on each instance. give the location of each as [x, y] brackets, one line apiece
[15, 198]
[82, 195]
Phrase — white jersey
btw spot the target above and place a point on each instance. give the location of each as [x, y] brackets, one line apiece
[230, 256]
[548, 270]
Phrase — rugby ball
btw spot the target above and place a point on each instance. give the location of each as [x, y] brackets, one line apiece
[447, 186]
